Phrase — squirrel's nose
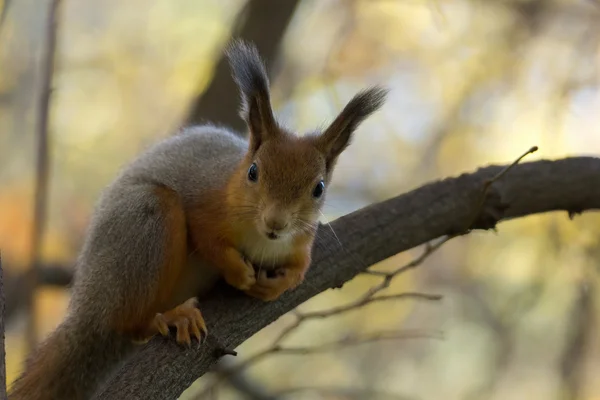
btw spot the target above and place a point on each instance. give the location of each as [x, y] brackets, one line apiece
[276, 223]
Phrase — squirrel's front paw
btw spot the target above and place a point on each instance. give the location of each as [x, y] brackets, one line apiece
[241, 278]
[186, 318]
[270, 284]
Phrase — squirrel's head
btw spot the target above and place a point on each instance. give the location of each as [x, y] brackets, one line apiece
[280, 185]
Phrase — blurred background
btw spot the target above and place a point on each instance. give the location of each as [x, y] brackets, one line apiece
[473, 82]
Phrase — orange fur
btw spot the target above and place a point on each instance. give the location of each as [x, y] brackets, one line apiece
[287, 276]
[213, 238]
[176, 245]
[217, 230]
[31, 386]
[299, 261]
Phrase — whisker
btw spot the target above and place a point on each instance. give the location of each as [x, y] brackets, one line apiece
[304, 227]
[262, 259]
[332, 231]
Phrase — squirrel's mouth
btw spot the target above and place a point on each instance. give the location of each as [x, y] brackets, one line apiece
[272, 235]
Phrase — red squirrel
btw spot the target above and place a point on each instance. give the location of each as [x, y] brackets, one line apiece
[203, 204]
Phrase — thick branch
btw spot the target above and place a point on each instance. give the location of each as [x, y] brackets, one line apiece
[162, 370]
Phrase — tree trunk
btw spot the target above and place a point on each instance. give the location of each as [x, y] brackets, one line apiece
[262, 22]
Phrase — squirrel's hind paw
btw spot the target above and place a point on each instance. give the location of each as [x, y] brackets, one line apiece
[186, 318]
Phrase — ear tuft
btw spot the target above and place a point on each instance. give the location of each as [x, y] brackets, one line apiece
[249, 72]
[338, 135]
[365, 103]
[250, 75]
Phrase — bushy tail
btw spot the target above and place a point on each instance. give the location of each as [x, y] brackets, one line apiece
[69, 364]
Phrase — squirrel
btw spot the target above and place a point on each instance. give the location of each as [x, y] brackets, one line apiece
[204, 204]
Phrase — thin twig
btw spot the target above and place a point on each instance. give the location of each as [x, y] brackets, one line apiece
[367, 298]
[508, 168]
[364, 301]
[250, 388]
[233, 370]
[355, 341]
[429, 248]
[488, 183]
[305, 350]
[42, 169]
[344, 392]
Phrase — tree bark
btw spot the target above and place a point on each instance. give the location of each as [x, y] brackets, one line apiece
[163, 370]
[262, 22]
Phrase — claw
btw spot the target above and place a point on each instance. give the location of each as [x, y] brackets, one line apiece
[161, 324]
[186, 318]
[200, 326]
[183, 332]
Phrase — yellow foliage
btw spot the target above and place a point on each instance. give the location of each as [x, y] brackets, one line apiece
[15, 230]
[472, 84]
[51, 305]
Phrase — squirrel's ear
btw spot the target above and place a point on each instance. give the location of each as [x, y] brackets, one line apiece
[250, 75]
[337, 136]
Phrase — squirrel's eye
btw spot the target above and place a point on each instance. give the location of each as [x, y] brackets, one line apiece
[318, 191]
[253, 173]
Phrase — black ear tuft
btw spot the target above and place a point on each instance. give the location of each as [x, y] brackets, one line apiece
[365, 103]
[337, 136]
[248, 71]
[250, 75]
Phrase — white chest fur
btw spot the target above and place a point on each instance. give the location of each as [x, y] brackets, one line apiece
[267, 253]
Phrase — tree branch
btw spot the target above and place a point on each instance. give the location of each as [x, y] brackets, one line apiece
[581, 321]
[42, 170]
[349, 393]
[162, 369]
[4, 13]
